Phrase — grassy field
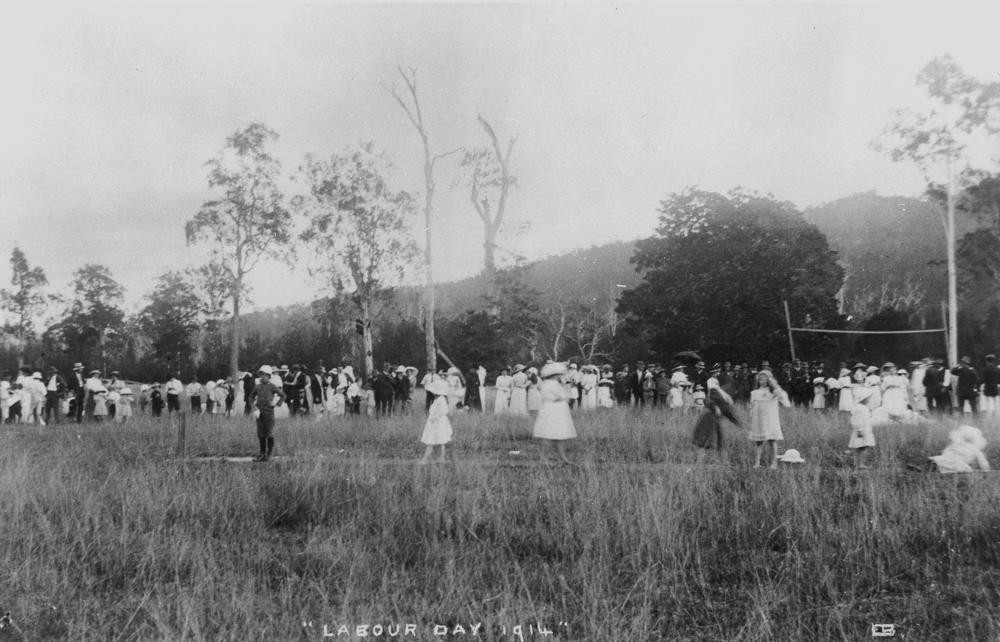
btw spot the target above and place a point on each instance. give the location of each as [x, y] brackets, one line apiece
[106, 534]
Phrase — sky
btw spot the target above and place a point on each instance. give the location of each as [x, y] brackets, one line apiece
[110, 113]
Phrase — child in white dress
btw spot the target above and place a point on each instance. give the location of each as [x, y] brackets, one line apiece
[862, 435]
[437, 429]
[965, 448]
[124, 405]
[765, 421]
[554, 421]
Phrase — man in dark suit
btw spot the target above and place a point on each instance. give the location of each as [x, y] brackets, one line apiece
[968, 384]
[933, 386]
[75, 385]
[635, 383]
[991, 382]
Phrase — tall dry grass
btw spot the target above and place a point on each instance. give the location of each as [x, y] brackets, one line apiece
[105, 534]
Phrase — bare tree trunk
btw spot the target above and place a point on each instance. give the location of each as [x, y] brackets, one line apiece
[234, 344]
[430, 343]
[366, 338]
[490, 268]
[952, 278]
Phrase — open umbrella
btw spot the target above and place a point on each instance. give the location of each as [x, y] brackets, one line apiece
[688, 355]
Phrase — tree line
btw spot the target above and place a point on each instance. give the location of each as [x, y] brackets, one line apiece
[713, 277]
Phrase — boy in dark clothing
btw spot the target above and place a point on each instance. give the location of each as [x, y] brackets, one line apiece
[265, 402]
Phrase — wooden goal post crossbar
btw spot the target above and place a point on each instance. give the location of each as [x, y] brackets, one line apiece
[866, 331]
[791, 343]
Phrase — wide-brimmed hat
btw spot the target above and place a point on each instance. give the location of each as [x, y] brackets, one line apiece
[283, 369]
[819, 380]
[437, 387]
[265, 370]
[553, 369]
[114, 372]
[95, 372]
[859, 366]
[887, 365]
[518, 368]
[125, 391]
[678, 367]
[411, 370]
[791, 456]
[572, 366]
[37, 375]
[78, 366]
[400, 369]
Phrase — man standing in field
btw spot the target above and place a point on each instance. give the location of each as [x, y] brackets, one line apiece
[76, 390]
[174, 390]
[54, 390]
[268, 396]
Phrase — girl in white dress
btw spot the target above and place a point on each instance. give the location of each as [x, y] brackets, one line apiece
[819, 393]
[765, 422]
[504, 385]
[678, 383]
[862, 436]
[519, 392]
[554, 421]
[124, 404]
[437, 429]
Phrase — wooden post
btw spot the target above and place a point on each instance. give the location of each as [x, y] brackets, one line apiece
[788, 321]
[947, 335]
[181, 434]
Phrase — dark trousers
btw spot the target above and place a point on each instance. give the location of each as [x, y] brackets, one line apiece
[173, 403]
[973, 401]
[51, 406]
[383, 405]
[78, 409]
[196, 404]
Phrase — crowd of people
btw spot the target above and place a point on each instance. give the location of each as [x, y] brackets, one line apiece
[870, 395]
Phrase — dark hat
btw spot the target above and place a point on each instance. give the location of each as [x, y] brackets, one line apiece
[78, 366]
[52, 369]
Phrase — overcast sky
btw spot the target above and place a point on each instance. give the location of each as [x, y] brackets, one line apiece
[109, 114]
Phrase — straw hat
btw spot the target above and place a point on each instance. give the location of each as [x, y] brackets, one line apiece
[518, 368]
[553, 369]
[454, 371]
[792, 456]
[266, 370]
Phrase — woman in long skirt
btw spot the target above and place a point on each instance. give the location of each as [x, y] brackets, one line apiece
[554, 422]
[588, 385]
[504, 385]
[519, 392]
[708, 429]
[534, 395]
